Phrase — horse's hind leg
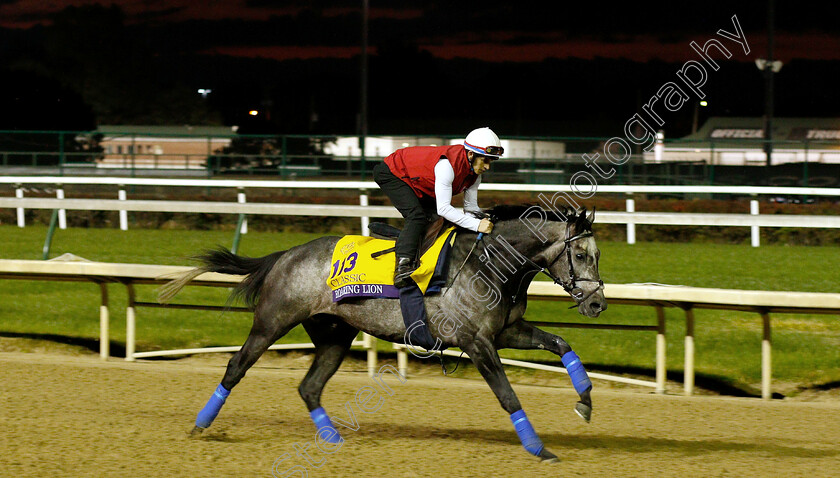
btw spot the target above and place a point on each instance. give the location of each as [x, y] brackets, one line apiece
[332, 339]
[522, 335]
[486, 359]
[268, 327]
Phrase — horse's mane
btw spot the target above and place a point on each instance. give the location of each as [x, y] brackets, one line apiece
[507, 212]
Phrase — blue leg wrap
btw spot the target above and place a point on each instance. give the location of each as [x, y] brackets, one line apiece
[527, 435]
[209, 412]
[325, 427]
[576, 371]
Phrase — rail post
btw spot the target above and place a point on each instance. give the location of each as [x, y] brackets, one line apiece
[688, 375]
[104, 321]
[363, 201]
[241, 224]
[660, 350]
[631, 226]
[402, 360]
[766, 359]
[130, 323]
[123, 213]
[754, 230]
[370, 347]
[20, 212]
[240, 198]
[62, 214]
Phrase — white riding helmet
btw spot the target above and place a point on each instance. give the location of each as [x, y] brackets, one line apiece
[484, 141]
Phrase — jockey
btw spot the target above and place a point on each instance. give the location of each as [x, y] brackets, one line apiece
[421, 181]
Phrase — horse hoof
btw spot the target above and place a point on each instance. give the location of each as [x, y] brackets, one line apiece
[584, 411]
[547, 457]
[196, 432]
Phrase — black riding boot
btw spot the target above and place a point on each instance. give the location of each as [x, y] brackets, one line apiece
[402, 274]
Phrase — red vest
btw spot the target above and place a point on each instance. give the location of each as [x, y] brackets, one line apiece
[416, 166]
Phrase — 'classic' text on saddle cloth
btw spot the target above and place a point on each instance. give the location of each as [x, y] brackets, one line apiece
[354, 273]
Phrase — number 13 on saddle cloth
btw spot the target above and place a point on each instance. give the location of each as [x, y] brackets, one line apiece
[354, 273]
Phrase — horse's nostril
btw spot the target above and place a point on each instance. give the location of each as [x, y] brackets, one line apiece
[596, 306]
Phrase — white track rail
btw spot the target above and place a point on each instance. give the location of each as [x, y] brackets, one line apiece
[370, 185]
[687, 298]
[754, 220]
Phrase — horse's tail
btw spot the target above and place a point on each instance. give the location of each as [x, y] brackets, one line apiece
[255, 270]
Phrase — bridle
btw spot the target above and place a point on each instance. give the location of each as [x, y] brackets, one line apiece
[570, 286]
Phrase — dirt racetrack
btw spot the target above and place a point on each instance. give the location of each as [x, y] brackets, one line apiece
[64, 415]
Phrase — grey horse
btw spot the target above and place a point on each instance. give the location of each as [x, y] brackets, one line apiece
[482, 305]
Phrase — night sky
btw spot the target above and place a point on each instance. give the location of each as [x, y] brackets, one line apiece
[491, 30]
[532, 67]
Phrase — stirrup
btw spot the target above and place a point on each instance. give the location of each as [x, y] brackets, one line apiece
[402, 278]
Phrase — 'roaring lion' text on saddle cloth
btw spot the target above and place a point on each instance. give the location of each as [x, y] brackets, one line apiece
[354, 273]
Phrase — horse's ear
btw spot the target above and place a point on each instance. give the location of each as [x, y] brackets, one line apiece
[580, 221]
[591, 218]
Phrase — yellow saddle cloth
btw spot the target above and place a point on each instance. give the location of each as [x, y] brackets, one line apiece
[354, 273]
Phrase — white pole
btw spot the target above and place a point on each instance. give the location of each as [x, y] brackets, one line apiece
[631, 227]
[766, 360]
[104, 339]
[363, 201]
[370, 346]
[754, 229]
[402, 360]
[688, 377]
[130, 319]
[62, 214]
[20, 220]
[659, 146]
[123, 213]
[240, 198]
[661, 371]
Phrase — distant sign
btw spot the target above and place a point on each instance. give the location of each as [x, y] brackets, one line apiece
[823, 134]
[814, 133]
[727, 133]
[796, 134]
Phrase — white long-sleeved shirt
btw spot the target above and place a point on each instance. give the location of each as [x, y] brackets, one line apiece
[444, 175]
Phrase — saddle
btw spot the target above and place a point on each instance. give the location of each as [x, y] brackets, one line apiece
[360, 271]
[381, 230]
[359, 266]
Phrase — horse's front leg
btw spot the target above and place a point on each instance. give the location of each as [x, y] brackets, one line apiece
[522, 335]
[483, 354]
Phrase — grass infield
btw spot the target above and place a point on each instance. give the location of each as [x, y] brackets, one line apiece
[806, 348]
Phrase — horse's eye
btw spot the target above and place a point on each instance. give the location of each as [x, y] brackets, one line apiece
[580, 257]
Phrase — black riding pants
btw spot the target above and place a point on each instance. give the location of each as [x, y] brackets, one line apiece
[418, 212]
